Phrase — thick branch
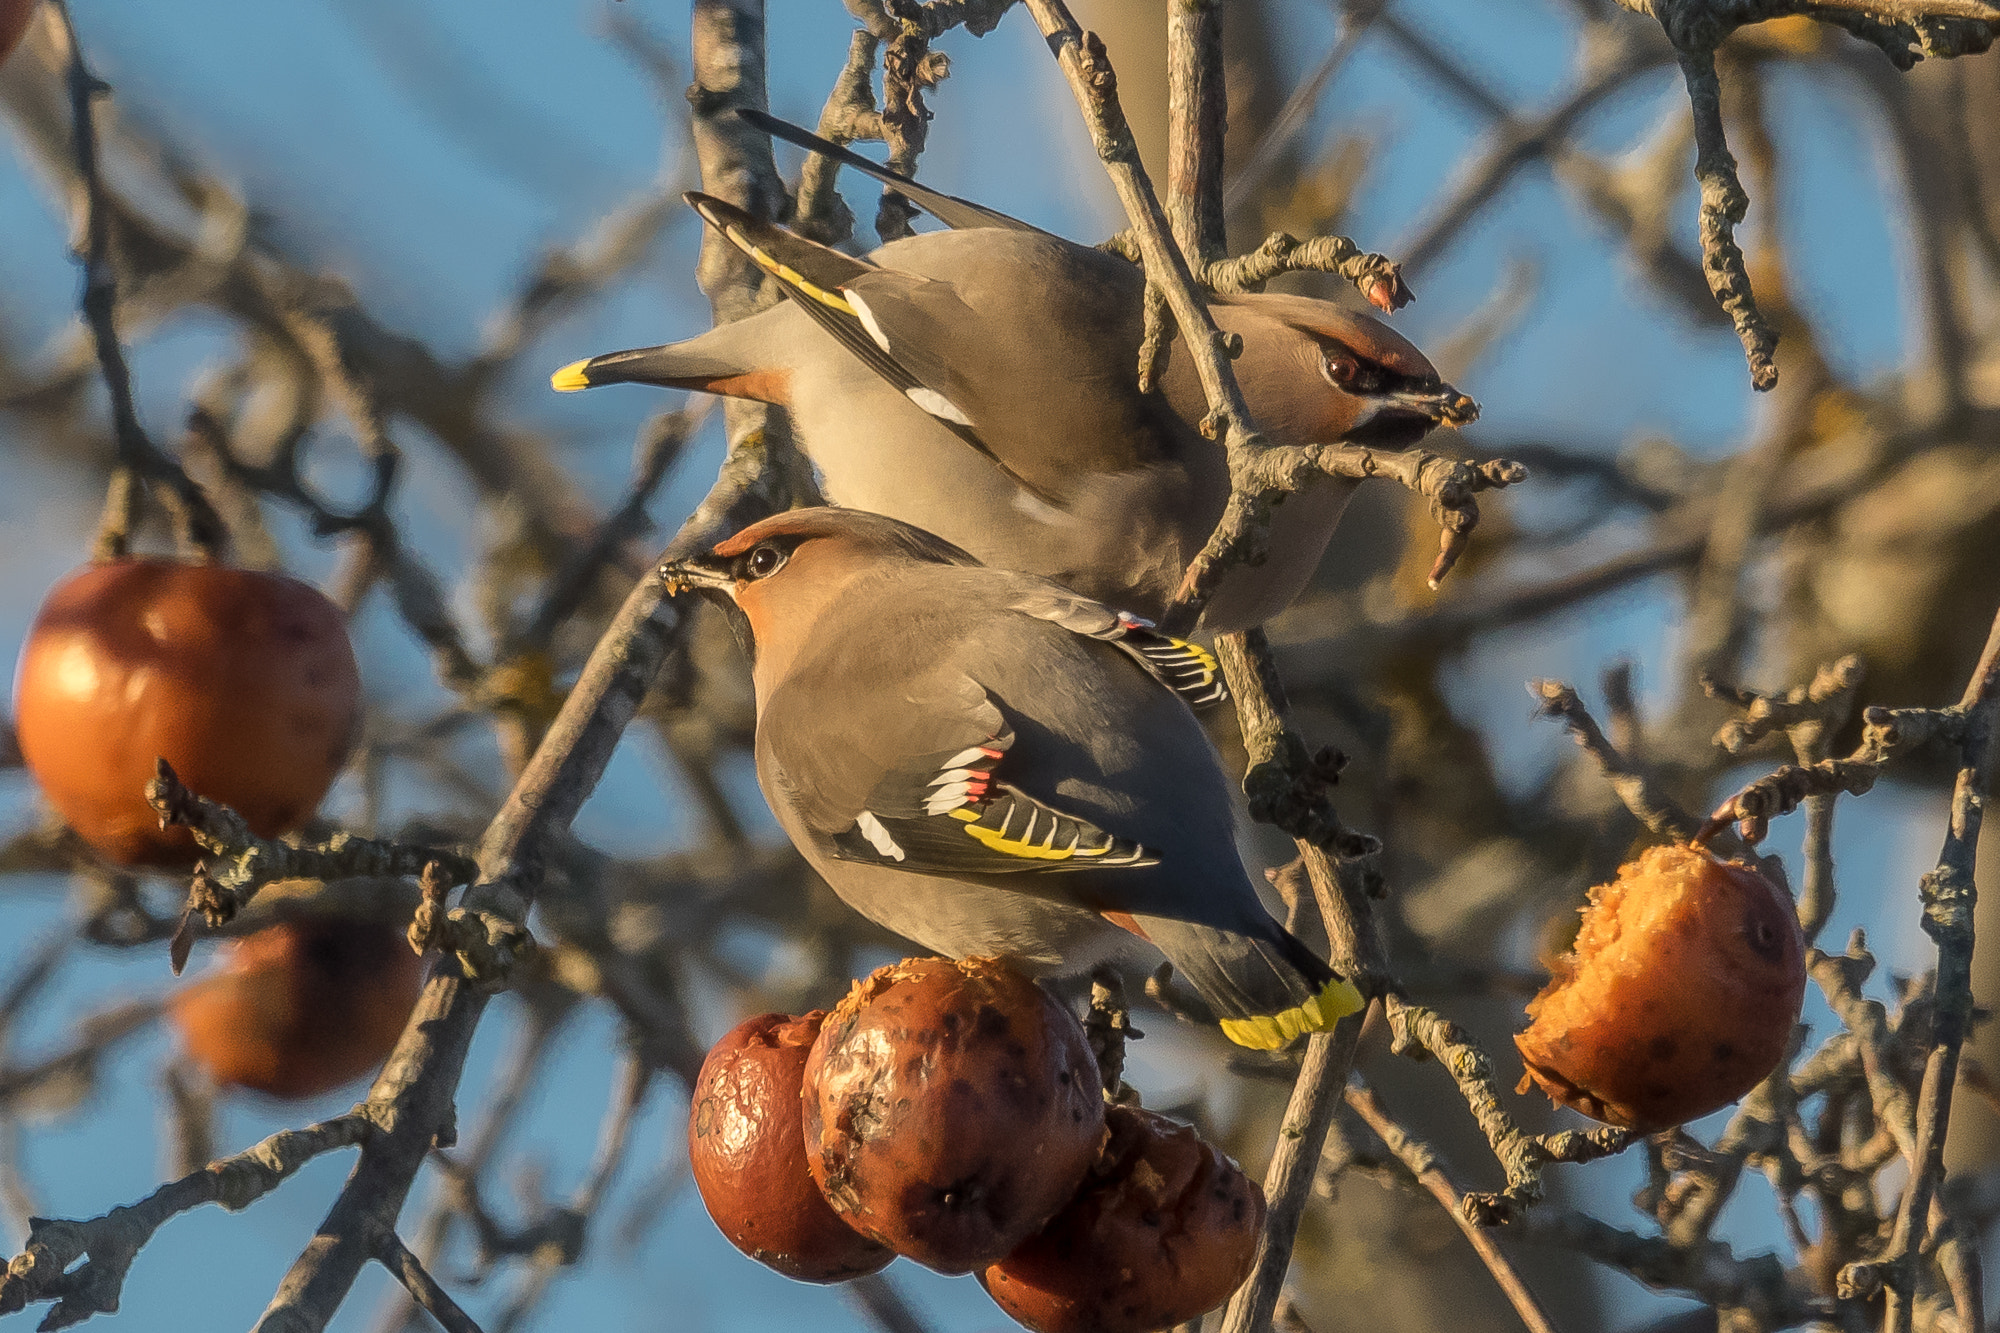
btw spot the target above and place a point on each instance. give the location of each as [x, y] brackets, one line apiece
[1353, 945]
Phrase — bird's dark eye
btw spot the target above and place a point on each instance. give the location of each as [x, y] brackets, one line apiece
[1346, 371]
[765, 561]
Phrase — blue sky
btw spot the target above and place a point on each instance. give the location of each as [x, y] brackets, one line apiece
[427, 154]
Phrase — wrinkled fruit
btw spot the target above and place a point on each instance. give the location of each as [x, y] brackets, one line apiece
[747, 1152]
[1678, 998]
[1163, 1230]
[300, 1008]
[951, 1108]
[245, 682]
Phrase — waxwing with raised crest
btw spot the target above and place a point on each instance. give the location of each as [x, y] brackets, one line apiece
[981, 383]
[991, 765]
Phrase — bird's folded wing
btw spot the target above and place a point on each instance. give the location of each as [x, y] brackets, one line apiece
[1186, 668]
[816, 276]
[948, 810]
[956, 213]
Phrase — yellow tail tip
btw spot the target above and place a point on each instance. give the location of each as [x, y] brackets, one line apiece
[570, 378]
[1267, 1032]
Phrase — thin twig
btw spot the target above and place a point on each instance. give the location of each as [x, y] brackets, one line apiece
[49, 1268]
[140, 462]
[423, 1288]
[1422, 1161]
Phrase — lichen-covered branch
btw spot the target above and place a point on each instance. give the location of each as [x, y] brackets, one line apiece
[1723, 204]
[1948, 896]
[1887, 733]
[1286, 785]
[1269, 473]
[1808, 715]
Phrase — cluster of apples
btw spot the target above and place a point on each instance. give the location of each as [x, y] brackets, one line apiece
[951, 1112]
[246, 683]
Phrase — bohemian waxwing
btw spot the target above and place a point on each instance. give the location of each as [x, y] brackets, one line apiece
[981, 383]
[988, 764]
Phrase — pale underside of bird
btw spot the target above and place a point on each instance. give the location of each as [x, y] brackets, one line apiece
[990, 765]
[981, 383]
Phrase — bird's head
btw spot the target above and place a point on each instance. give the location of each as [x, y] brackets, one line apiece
[785, 571]
[1324, 373]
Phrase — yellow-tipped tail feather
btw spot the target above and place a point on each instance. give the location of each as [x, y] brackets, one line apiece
[1267, 1032]
[570, 378]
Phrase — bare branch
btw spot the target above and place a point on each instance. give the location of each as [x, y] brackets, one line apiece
[1422, 1162]
[140, 462]
[49, 1269]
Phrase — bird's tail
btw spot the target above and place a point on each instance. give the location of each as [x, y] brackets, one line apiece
[1266, 989]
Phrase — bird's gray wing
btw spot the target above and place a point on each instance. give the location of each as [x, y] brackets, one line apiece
[927, 790]
[1186, 668]
[946, 208]
[815, 276]
[1031, 341]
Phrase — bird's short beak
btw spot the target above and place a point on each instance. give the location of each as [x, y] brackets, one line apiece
[641, 365]
[1443, 404]
[694, 572]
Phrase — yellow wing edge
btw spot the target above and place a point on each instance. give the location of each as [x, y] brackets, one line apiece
[1267, 1032]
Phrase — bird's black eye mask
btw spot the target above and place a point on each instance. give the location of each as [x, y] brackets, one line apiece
[720, 574]
[1350, 372]
[763, 560]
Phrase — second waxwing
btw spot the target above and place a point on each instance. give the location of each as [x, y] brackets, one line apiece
[981, 383]
[990, 765]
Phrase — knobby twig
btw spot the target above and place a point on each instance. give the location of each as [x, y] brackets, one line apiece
[1723, 204]
[1650, 806]
[1420, 1031]
[1887, 735]
[1948, 896]
[1378, 278]
[222, 888]
[486, 946]
[1808, 715]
